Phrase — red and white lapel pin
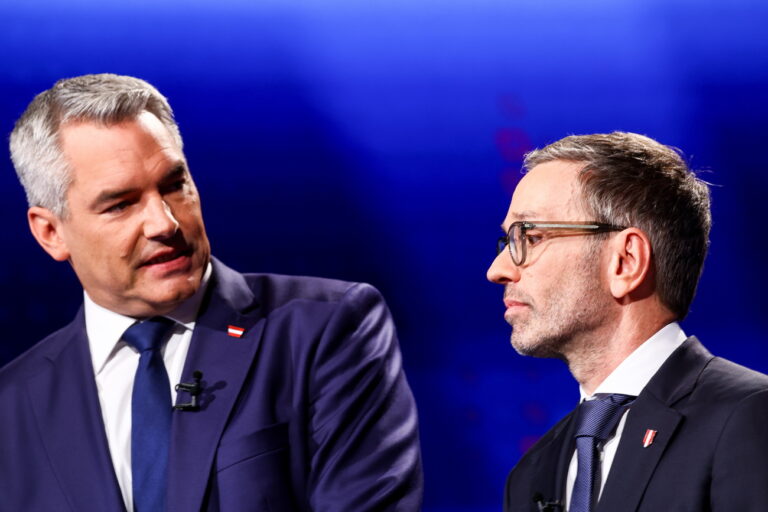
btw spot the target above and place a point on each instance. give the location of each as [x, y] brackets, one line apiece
[648, 438]
[235, 332]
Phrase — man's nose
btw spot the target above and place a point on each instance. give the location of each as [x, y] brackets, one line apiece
[503, 270]
[159, 221]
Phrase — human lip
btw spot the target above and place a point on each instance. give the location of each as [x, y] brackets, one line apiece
[513, 304]
[514, 308]
[167, 259]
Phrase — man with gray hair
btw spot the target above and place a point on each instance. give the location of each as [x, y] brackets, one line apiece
[603, 246]
[290, 394]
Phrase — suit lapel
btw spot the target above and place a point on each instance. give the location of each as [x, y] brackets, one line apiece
[224, 361]
[634, 464]
[563, 447]
[66, 407]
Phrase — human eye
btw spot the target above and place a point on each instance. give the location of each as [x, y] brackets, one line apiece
[533, 237]
[501, 243]
[175, 181]
[117, 207]
[175, 186]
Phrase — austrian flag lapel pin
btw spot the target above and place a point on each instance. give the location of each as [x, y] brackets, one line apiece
[235, 332]
[650, 435]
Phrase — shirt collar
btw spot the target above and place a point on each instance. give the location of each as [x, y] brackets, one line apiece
[631, 376]
[105, 327]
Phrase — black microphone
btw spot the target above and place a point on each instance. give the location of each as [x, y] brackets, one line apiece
[194, 389]
[546, 506]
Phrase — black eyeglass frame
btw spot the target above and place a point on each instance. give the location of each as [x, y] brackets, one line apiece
[589, 228]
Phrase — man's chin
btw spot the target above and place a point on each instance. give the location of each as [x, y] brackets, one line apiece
[163, 297]
[534, 348]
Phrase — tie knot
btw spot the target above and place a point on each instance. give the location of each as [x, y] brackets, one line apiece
[147, 335]
[598, 418]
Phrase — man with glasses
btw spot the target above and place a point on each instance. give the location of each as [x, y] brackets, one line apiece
[603, 246]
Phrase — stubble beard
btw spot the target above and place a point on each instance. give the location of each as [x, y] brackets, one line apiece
[565, 316]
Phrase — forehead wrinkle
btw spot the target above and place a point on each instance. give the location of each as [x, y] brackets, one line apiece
[570, 208]
[550, 192]
[524, 215]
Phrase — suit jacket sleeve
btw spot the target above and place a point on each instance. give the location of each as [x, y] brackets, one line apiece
[363, 416]
[740, 466]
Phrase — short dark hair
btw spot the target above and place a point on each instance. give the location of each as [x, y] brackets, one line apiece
[632, 180]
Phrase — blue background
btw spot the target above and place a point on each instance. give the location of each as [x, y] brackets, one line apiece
[380, 141]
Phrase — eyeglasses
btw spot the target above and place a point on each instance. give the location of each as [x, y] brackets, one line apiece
[522, 233]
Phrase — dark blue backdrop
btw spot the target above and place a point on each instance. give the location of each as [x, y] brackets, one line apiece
[380, 141]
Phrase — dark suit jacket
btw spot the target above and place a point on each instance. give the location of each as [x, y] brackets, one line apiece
[710, 452]
[308, 410]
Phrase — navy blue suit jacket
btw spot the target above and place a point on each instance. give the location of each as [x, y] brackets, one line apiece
[308, 411]
[710, 452]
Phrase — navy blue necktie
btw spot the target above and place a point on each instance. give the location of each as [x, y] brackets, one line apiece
[595, 422]
[150, 415]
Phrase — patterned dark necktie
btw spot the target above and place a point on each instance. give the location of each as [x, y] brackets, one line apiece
[150, 415]
[595, 422]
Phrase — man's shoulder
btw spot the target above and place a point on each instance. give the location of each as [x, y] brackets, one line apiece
[696, 382]
[693, 373]
[304, 286]
[726, 381]
[278, 290]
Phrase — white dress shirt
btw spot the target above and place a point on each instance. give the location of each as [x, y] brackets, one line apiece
[115, 363]
[629, 378]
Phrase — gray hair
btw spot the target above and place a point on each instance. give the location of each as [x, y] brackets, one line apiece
[632, 180]
[35, 144]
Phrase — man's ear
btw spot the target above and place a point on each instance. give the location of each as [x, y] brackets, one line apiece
[47, 228]
[630, 263]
